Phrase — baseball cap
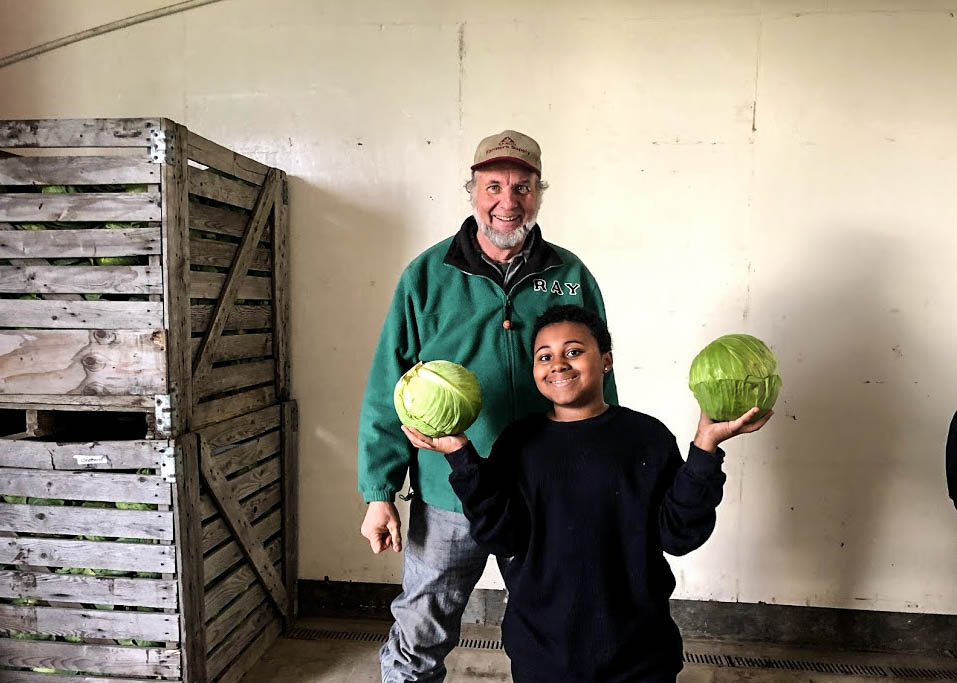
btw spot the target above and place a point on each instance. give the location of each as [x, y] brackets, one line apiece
[509, 145]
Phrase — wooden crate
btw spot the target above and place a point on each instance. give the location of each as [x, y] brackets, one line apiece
[144, 394]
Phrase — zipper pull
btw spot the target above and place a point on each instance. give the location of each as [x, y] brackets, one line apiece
[507, 323]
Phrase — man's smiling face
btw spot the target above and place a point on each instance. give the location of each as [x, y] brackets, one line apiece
[506, 198]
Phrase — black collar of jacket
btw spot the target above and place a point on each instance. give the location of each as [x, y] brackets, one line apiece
[464, 254]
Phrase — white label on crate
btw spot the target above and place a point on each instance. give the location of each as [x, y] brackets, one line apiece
[90, 459]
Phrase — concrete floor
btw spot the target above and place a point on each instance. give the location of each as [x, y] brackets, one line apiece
[330, 660]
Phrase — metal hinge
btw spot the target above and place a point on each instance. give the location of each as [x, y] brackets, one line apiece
[164, 420]
[168, 465]
[158, 146]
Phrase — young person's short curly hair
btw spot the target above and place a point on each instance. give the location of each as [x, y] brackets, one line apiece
[575, 314]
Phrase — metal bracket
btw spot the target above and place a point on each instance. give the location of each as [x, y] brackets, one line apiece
[168, 465]
[158, 147]
[164, 420]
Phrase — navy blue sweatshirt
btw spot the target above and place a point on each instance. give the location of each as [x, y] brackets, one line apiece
[586, 509]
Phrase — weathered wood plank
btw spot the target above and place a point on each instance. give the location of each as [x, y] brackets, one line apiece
[59, 552]
[249, 453]
[85, 362]
[265, 202]
[243, 427]
[119, 315]
[65, 402]
[240, 639]
[220, 220]
[106, 455]
[176, 310]
[220, 254]
[243, 317]
[36, 677]
[252, 653]
[100, 590]
[77, 132]
[226, 190]
[114, 207]
[90, 623]
[230, 377]
[240, 346]
[78, 521]
[234, 615]
[105, 659]
[225, 494]
[255, 507]
[92, 242]
[281, 283]
[237, 581]
[105, 486]
[216, 156]
[257, 478]
[186, 509]
[224, 558]
[210, 286]
[78, 170]
[290, 506]
[81, 279]
[221, 409]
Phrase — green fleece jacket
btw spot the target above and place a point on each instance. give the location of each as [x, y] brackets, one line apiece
[449, 305]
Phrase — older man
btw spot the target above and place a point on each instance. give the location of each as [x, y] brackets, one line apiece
[472, 298]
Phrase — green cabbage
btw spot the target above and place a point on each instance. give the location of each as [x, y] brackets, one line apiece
[733, 374]
[438, 398]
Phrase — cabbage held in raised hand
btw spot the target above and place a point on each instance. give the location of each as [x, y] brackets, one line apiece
[733, 374]
[438, 398]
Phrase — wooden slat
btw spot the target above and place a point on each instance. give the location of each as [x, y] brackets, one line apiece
[176, 314]
[281, 292]
[257, 478]
[58, 552]
[64, 402]
[104, 486]
[220, 220]
[77, 132]
[101, 590]
[223, 558]
[216, 156]
[253, 652]
[249, 453]
[232, 377]
[105, 659]
[220, 254]
[96, 455]
[290, 506]
[264, 205]
[92, 242]
[116, 362]
[119, 315]
[239, 579]
[221, 409]
[243, 317]
[189, 560]
[225, 495]
[233, 615]
[255, 506]
[243, 426]
[90, 623]
[39, 677]
[210, 286]
[115, 207]
[79, 521]
[226, 190]
[78, 170]
[81, 279]
[240, 346]
[240, 639]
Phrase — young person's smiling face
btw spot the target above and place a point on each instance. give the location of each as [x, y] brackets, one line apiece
[569, 370]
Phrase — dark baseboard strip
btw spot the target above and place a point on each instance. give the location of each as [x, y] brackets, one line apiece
[812, 627]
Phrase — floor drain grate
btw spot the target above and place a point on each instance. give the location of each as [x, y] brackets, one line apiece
[694, 658]
[816, 667]
[312, 634]
[923, 674]
[477, 644]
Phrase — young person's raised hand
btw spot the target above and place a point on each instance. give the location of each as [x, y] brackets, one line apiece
[711, 433]
[442, 444]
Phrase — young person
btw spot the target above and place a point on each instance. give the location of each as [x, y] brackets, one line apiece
[585, 499]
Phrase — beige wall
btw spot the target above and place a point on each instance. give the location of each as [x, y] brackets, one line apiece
[827, 229]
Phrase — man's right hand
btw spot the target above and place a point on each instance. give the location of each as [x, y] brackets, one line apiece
[382, 527]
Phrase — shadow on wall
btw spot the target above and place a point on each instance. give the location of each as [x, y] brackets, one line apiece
[833, 500]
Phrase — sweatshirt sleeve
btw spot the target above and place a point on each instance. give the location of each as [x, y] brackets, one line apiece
[687, 517]
[384, 452]
[952, 460]
[488, 489]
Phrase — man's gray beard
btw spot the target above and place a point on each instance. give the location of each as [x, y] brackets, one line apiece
[505, 240]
